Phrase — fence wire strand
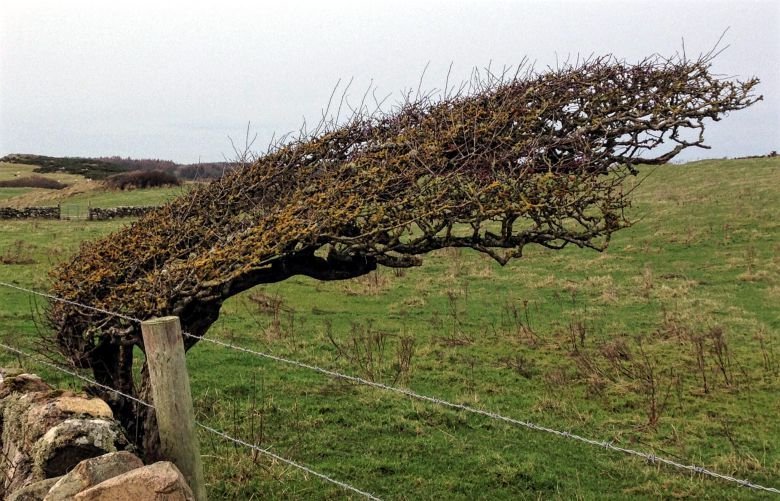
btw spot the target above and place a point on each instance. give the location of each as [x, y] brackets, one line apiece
[650, 458]
[72, 373]
[73, 303]
[287, 461]
[266, 452]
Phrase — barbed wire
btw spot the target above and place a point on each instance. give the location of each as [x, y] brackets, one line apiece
[288, 461]
[609, 445]
[266, 452]
[72, 373]
[68, 301]
[650, 458]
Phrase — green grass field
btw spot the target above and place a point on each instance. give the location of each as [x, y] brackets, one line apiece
[11, 171]
[668, 342]
[6, 193]
[116, 198]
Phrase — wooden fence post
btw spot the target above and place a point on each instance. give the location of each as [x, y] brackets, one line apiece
[172, 399]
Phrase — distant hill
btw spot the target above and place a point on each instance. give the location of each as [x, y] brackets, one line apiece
[101, 168]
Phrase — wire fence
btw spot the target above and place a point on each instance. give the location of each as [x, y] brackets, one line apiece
[208, 428]
[650, 458]
[609, 445]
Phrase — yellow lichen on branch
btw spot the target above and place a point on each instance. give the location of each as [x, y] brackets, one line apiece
[537, 158]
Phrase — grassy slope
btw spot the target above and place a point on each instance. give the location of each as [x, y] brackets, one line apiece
[574, 340]
[13, 192]
[10, 171]
[84, 193]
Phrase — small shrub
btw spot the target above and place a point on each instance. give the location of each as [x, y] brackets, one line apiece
[141, 179]
[19, 252]
[520, 364]
[270, 304]
[33, 182]
[367, 351]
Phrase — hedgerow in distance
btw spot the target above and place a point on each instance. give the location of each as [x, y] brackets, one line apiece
[141, 179]
[33, 182]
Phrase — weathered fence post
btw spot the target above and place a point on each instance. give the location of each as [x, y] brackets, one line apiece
[172, 399]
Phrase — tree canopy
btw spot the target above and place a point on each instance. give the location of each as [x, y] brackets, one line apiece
[505, 161]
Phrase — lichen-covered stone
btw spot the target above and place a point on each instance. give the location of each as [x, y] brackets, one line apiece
[160, 481]
[17, 469]
[16, 465]
[78, 405]
[21, 383]
[36, 491]
[91, 472]
[46, 432]
[73, 440]
[6, 372]
[11, 384]
[30, 415]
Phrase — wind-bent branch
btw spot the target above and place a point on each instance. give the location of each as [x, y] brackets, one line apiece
[515, 160]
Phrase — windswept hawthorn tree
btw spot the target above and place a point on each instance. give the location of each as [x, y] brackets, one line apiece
[513, 160]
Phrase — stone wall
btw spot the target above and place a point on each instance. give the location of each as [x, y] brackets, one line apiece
[30, 213]
[97, 214]
[59, 445]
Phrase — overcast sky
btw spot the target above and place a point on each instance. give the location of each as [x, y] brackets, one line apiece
[174, 80]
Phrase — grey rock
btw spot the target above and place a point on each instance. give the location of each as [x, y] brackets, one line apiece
[160, 481]
[34, 492]
[91, 472]
[74, 440]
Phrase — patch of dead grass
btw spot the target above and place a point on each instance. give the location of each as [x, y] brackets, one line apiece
[52, 197]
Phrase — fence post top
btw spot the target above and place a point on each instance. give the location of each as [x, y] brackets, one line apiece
[160, 320]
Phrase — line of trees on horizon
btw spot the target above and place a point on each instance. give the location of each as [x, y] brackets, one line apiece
[197, 171]
[102, 167]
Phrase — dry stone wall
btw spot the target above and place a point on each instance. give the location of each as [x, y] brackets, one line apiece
[30, 213]
[58, 445]
[55, 212]
[98, 214]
